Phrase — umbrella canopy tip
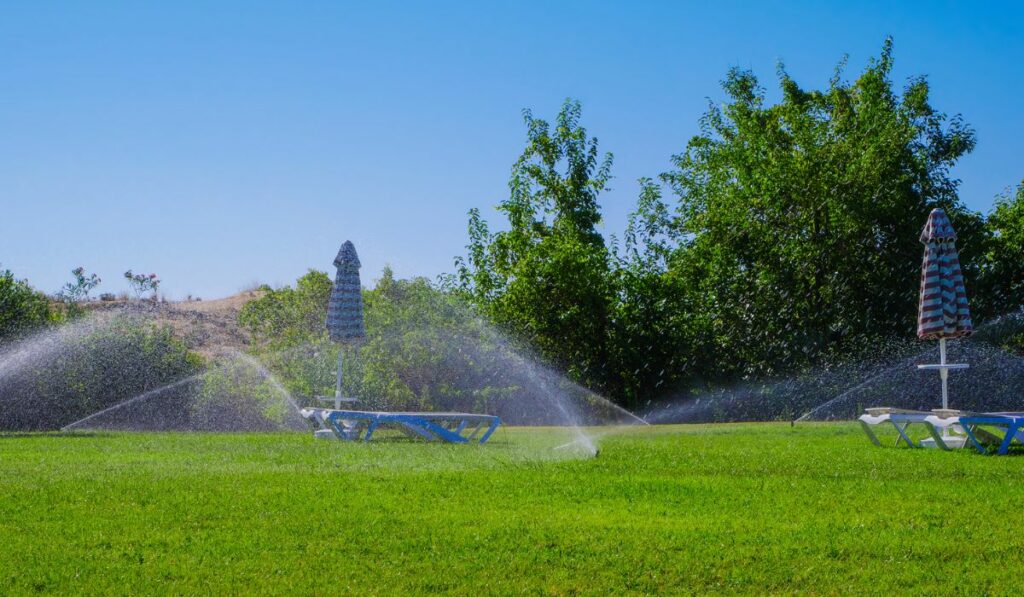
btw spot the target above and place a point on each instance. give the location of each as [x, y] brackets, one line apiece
[347, 256]
[937, 227]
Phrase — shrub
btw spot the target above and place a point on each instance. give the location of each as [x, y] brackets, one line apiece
[142, 283]
[77, 291]
[22, 308]
[82, 368]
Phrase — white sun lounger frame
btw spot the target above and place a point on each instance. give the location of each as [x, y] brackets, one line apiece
[934, 421]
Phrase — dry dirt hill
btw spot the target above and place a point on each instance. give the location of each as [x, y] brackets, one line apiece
[208, 327]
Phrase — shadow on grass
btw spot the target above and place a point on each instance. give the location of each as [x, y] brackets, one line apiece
[993, 450]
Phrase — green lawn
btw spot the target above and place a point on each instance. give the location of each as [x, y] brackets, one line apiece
[727, 508]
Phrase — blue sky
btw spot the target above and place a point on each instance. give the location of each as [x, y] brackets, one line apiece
[220, 143]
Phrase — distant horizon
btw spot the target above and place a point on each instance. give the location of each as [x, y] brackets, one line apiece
[228, 145]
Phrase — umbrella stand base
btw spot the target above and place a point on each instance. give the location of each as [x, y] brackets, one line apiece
[953, 442]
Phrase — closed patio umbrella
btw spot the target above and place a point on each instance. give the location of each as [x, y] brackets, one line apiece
[345, 309]
[942, 312]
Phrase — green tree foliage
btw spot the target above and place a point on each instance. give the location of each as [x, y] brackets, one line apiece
[288, 328]
[547, 280]
[425, 350]
[798, 222]
[287, 317]
[654, 346]
[22, 308]
[792, 237]
[1002, 278]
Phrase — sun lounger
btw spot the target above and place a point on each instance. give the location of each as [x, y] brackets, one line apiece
[946, 429]
[1012, 423]
[938, 423]
[457, 428]
[898, 417]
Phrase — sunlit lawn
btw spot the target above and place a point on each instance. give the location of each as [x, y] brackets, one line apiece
[734, 508]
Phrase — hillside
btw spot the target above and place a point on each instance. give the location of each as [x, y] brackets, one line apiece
[208, 327]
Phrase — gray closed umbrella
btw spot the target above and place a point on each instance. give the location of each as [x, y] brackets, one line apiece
[943, 311]
[345, 309]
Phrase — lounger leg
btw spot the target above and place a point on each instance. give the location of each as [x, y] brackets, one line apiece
[1011, 432]
[370, 429]
[335, 425]
[974, 440]
[903, 434]
[419, 430]
[494, 425]
[936, 436]
[476, 430]
[906, 438]
[442, 433]
[870, 433]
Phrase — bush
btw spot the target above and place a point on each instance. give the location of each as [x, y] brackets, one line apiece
[81, 368]
[22, 309]
[236, 396]
[142, 284]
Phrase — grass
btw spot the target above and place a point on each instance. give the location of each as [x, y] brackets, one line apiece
[728, 508]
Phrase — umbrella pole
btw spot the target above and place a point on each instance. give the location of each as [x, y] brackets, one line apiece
[337, 388]
[944, 373]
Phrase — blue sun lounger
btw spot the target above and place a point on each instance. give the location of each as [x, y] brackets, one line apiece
[458, 428]
[1013, 423]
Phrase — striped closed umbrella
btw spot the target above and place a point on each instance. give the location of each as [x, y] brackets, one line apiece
[345, 309]
[943, 310]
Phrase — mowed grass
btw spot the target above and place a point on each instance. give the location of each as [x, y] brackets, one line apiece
[728, 508]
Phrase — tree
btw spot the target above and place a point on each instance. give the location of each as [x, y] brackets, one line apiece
[797, 223]
[547, 279]
[289, 317]
[1002, 276]
[654, 347]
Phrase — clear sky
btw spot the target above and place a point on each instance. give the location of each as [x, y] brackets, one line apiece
[222, 143]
